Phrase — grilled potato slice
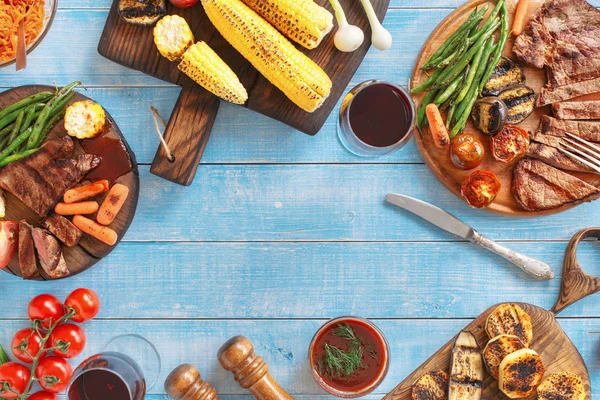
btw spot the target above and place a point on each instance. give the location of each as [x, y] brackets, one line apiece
[431, 386]
[564, 386]
[510, 319]
[466, 369]
[520, 373]
[498, 348]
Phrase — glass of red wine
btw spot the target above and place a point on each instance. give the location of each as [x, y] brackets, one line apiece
[376, 118]
[116, 373]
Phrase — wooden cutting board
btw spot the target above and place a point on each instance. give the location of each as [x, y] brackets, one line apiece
[195, 111]
[90, 250]
[555, 348]
[438, 160]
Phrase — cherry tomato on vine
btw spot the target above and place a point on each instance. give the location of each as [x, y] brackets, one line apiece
[85, 302]
[69, 338]
[16, 377]
[26, 343]
[510, 143]
[480, 188]
[43, 395]
[53, 374]
[45, 308]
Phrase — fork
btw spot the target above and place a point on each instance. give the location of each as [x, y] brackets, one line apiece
[581, 150]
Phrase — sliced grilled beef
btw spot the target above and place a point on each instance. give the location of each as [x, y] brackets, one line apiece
[63, 229]
[41, 179]
[553, 156]
[50, 254]
[586, 130]
[27, 262]
[577, 110]
[538, 186]
[567, 92]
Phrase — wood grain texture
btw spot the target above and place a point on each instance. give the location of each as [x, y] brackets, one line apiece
[90, 250]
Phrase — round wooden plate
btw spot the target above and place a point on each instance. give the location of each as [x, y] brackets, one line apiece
[438, 160]
[90, 250]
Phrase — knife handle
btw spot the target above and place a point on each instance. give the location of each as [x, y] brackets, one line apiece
[533, 267]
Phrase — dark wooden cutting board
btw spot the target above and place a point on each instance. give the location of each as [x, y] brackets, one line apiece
[553, 345]
[194, 114]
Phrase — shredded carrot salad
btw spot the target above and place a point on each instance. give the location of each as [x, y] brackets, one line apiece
[12, 12]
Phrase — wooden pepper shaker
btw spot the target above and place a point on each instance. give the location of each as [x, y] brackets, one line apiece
[249, 370]
[185, 383]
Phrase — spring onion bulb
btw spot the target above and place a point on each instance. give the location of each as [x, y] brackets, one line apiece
[380, 37]
[348, 37]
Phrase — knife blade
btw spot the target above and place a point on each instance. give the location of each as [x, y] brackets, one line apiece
[450, 223]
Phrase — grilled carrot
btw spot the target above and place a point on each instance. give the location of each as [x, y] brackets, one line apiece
[437, 126]
[520, 14]
[112, 204]
[100, 232]
[84, 207]
[86, 191]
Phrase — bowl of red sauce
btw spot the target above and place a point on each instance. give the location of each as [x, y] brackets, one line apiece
[349, 357]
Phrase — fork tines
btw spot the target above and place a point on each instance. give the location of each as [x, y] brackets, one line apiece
[581, 150]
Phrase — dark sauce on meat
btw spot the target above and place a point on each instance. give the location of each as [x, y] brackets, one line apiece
[115, 158]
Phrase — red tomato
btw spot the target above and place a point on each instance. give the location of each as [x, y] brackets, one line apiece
[69, 338]
[9, 236]
[480, 188]
[26, 340]
[53, 374]
[184, 3]
[46, 308]
[86, 304]
[466, 152]
[510, 143]
[43, 395]
[16, 376]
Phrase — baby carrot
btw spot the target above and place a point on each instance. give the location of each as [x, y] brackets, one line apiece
[84, 207]
[86, 191]
[112, 204]
[100, 232]
[437, 126]
[520, 14]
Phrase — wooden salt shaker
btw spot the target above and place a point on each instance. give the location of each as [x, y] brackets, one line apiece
[249, 370]
[185, 383]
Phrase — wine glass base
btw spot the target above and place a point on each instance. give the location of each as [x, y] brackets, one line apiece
[142, 351]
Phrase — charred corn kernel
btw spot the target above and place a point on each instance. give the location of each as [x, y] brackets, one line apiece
[173, 36]
[303, 21]
[208, 70]
[296, 75]
[84, 119]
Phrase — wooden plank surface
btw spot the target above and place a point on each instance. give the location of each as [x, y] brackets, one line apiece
[281, 231]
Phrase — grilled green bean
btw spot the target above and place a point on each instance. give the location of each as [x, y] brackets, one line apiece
[17, 126]
[504, 33]
[479, 57]
[16, 157]
[15, 144]
[446, 94]
[421, 116]
[36, 98]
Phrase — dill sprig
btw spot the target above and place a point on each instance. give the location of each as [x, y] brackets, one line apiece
[338, 363]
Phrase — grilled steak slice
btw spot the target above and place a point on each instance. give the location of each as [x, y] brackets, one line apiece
[538, 186]
[567, 92]
[63, 229]
[586, 130]
[577, 110]
[553, 156]
[50, 254]
[41, 179]
[27, 261]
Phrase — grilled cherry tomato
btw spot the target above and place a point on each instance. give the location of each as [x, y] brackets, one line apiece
[9, 235]
[480, 188]
[70, 340]
[510, 143]
[85, 302]
[43, 395]
[16, 377]
[53, 374]
[45, 308]
[466, 152]
[26, 343]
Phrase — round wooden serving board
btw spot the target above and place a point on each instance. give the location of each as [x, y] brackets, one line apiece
[438, 160]
[555, 348]
[90, 250]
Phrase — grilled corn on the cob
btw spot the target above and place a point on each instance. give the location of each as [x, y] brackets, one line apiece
[84, 119]
[208, 70]
[303, 21]
[173, 36]
[296, 75]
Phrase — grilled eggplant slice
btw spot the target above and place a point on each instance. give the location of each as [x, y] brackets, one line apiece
[489, 115]
[431, 386]
[520, 101]
[466, 369]
[143, 13]
[510, 319]
[520, 374]
[498, 348]
[507, 73]
[564, 386]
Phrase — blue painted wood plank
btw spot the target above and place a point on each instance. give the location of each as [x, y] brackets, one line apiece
[309, 280]
[284, 344]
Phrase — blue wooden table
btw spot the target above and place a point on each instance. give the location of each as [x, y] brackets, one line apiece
[281, 231]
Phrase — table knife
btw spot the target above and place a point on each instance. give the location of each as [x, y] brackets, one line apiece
[450, 223]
